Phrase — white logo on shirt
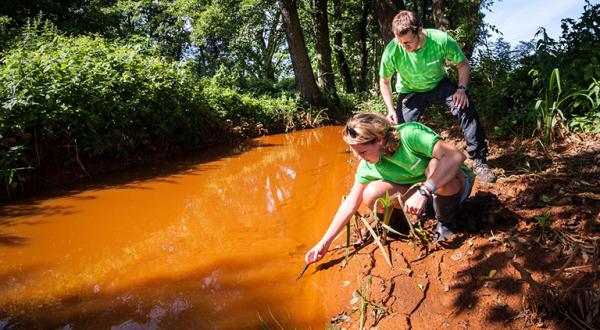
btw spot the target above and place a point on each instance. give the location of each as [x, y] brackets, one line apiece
[412, 168]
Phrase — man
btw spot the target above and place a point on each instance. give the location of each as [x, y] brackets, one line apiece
[419, 57]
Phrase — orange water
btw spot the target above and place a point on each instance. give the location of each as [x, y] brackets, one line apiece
[211, 241]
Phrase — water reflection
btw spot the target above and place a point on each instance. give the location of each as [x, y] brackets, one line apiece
[211, 245]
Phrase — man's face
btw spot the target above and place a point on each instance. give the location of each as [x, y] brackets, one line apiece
[409, 41]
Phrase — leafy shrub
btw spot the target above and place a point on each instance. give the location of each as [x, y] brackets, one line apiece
[112, 99]
[364, 102]
[522, 85]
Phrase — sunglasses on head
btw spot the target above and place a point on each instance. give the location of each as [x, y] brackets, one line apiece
[352, 132]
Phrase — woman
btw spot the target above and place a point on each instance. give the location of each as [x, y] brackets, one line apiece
[393, 158]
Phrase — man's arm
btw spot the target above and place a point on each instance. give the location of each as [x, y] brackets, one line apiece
[388, 99]
[460, 96]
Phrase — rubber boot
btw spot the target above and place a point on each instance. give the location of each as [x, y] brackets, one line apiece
[446, 209]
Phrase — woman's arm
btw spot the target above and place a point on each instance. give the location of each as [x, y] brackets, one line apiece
[341, 218]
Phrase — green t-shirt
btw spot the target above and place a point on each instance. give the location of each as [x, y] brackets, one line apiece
[407, 165]
[420, 71]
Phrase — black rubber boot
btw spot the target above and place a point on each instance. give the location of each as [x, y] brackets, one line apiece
[446, 209]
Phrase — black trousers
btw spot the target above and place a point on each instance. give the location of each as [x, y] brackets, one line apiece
[410, 110]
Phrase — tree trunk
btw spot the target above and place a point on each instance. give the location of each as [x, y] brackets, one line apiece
[385, 10]
[268, 48]
[323, 50]
[364, 55]
[305, 80]
[424, 12]
[438, 8]
[377, 46]
[338, 48]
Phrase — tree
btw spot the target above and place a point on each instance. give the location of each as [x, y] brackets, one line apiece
[338, 48]
[438, 10]
[245, 38]
[466, 20]
[268, 41]
[305, 80]
[364, 53]
[158, 20]
[326, 77]
[385, 10]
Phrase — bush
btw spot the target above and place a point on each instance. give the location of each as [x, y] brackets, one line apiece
[107, 99]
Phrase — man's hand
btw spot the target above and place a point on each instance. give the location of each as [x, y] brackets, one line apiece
[391, 116]
[415, 204]
[386, 93]
[460, 99]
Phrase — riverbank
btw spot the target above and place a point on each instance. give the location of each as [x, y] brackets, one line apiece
[529, 255]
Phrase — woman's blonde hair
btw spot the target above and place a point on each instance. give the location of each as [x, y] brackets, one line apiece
[368, 127]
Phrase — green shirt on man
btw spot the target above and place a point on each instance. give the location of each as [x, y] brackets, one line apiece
[421, 70]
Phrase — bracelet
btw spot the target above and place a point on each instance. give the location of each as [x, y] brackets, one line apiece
[431, 186]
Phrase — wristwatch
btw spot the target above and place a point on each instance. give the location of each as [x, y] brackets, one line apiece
[423, 192]
[462, 88]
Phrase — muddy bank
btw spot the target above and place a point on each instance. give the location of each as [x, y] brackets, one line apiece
[528, 257]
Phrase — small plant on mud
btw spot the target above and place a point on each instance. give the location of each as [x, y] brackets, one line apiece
[363, 294]
[377, 240]
[421, 233]
[372, 231]
[386, 204]
[544, 222]
[544, 219]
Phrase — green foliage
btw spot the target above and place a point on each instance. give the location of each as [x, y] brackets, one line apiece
[246, 37]
[541, 85]
[9, 159]
[108, 97]
[362, 102]
[550, 109]
[6, 32]
[544, 219]
[110, 100]
[587, 123]
[160, 21]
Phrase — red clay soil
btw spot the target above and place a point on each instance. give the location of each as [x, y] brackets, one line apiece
[504, 270]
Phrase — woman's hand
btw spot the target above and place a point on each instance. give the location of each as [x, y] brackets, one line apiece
[415, 204]
[316, 253]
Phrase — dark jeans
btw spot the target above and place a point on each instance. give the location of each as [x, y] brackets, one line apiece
[442, 94]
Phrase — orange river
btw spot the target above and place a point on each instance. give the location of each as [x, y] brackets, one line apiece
[213, 240]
